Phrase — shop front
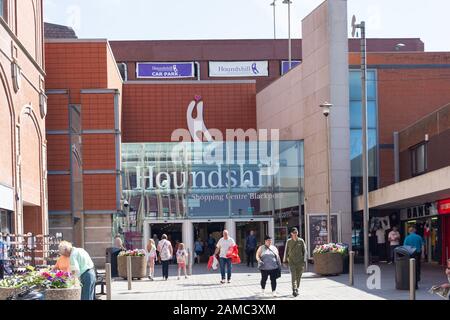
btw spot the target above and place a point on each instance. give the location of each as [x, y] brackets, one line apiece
[429, 225]
[444, 214]
[171, 188]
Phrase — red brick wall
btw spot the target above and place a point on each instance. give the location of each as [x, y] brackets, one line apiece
[151, 112]
[59, 193]
[58, 152]
[97, 111]
[99, 152]
[76, 65]
[99, 192]
[405, 95]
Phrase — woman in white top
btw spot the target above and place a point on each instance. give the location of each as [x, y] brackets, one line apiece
[269, 263]
[151, 257]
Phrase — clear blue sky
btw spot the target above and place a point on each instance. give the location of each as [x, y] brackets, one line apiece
[242, 19]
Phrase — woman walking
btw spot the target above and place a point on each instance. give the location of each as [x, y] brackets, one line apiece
[269, 264]
[151, 257]
[181, 260]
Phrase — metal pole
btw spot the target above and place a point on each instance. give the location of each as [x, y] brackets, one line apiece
[329, 235]
[108, 281]
[351, 279]
[365, 166]
[289, 34]
[412, 279]
[274, 20]
[129, 272]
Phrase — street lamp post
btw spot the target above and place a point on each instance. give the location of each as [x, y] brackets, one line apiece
[326, 108]
[288, 2]
[365, 165]
[274, 4]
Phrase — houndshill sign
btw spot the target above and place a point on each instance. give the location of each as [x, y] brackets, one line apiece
[239, 69]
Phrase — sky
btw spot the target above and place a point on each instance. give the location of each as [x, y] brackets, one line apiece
[243, 19]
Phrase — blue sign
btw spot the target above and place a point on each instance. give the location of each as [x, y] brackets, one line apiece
[285, 65]
[165, 70]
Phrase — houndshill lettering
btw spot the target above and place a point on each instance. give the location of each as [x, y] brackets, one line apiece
[147, 178]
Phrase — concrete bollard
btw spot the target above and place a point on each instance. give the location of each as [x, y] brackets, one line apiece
[351, 269]
[412, 279]
[129, 272]
[108, 281]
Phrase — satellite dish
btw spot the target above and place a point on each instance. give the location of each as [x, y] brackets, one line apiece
[353, 26]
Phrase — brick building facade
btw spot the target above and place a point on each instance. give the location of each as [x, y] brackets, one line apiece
[23, 201]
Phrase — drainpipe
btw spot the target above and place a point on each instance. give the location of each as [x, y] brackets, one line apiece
[396, 157]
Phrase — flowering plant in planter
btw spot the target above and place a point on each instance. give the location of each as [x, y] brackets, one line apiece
[331, 248]
[132, 253]
[14, 282]
[19, 280]
[58, 280]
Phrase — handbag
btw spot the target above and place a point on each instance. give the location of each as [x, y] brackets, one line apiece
[278, 271]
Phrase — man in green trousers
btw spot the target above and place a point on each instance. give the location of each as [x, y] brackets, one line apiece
[295, 257]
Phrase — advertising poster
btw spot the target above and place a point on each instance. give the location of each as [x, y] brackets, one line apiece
[318, 230]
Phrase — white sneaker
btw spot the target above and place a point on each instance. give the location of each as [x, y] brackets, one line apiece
[263, 293]
[274, 294]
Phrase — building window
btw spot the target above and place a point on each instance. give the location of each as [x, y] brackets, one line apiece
[5, 221]
[2, 9]
[356, 130]
[419, 159]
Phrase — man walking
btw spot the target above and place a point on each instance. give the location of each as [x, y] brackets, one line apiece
[295, 257]
[165, 253]
[223, 246]
[416, 241]
[394, 242]
[250, 248]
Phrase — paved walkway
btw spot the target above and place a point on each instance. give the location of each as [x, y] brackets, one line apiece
[204, 285]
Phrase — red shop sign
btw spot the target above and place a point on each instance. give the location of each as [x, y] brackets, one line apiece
[444, 206]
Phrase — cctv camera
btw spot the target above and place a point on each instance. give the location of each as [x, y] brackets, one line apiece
[126, 204]
[326, 112]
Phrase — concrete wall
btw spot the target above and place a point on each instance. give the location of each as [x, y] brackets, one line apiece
[291, 104]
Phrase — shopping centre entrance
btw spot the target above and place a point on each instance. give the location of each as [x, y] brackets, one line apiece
[202, 232]
[243, 228]
[172, 230]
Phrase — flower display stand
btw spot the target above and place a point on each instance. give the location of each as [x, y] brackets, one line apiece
[138, 267]
[329, 263]
[63, 294]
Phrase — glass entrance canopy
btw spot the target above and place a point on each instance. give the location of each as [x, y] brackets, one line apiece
[201, 180]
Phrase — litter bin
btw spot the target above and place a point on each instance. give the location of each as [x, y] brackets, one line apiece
[111, 257]
[345, 258]
[401, 259]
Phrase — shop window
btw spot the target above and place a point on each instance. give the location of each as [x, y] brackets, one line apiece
[419, 159]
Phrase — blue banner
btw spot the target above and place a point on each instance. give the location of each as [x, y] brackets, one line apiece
[165, 70]
[285, 65]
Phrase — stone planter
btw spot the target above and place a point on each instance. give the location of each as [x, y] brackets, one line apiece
[7, 292]
[138, 267]
[63, 294]
[327, 264]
